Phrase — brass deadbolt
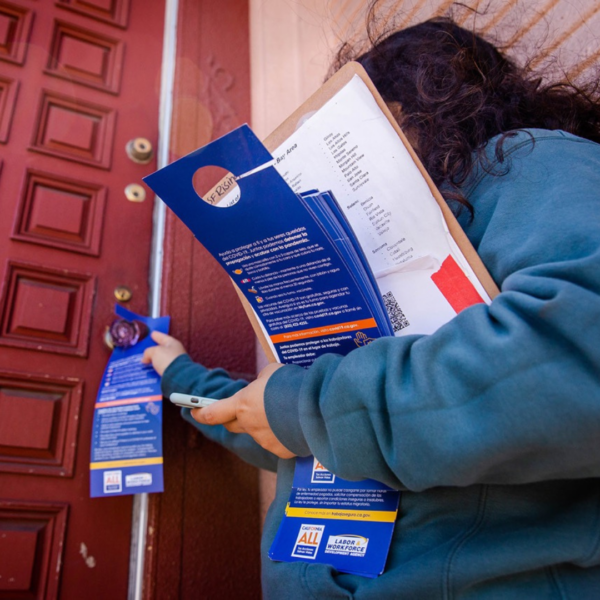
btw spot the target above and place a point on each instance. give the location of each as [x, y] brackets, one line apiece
[135, 193]
[139, 150]
[123, 293]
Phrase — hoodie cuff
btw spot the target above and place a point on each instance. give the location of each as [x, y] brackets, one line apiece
[177, 375]
[282, 395]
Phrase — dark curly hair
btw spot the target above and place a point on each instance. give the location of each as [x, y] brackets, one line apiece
[457, 90]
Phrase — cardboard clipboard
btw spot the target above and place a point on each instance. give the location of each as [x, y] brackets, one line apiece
[314, 103]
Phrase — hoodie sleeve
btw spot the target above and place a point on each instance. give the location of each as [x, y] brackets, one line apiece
[187, 377]
[502, 394]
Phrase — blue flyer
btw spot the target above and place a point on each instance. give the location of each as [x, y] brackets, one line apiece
[298, 263]
[346, 524]
[126, 456]
[309, 299]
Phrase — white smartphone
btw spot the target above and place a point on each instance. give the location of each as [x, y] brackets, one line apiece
[187, 401]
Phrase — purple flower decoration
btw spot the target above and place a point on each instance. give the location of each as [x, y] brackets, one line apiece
[125, 334]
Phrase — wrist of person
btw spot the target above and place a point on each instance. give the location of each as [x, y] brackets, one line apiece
[281, 406]
[175, 377]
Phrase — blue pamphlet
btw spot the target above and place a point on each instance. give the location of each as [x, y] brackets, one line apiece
[298, 263]
[346, 524]
[308, 298]
[126, 455]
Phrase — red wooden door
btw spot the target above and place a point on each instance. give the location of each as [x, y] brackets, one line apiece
[78, 80]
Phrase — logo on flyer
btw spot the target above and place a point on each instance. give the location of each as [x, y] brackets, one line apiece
[113, 482]
[308, 541]
[320, 474]
[138, 479]
[347, 545]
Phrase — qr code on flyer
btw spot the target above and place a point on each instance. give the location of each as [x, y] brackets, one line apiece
[397, 317]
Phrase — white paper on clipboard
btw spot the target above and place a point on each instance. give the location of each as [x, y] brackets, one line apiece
[348, 146]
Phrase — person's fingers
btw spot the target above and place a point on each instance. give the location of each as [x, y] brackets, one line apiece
[148, 354]
[218, 413]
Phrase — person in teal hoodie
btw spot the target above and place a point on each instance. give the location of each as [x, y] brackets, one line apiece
[490, 426]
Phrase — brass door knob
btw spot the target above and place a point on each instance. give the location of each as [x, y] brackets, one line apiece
[139, 150]
[135, 193]
[123, 293]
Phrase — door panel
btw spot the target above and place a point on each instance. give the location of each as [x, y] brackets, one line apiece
[54, 403]
[60, 212]
[32, 535]
[74, 129]
[78, 80]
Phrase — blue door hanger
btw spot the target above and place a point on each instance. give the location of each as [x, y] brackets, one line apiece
[307, 296]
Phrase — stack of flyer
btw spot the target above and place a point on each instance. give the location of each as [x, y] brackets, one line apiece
[293, 256]
[335, 238]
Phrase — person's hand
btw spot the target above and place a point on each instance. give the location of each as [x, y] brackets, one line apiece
[165, 353]
[244, 412]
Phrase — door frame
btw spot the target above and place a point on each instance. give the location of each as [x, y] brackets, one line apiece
[164, 536]
[139, 517]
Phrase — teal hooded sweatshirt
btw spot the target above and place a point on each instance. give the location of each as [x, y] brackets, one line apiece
[490, 427]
